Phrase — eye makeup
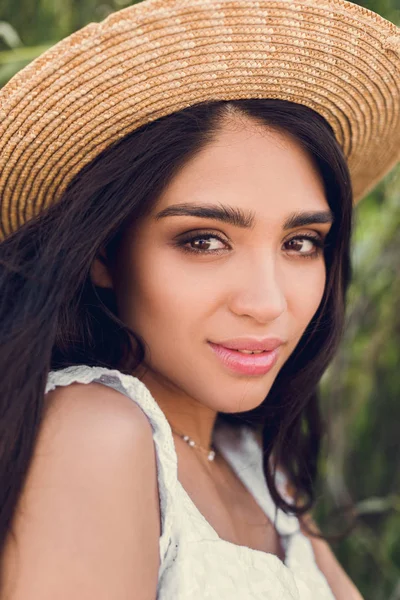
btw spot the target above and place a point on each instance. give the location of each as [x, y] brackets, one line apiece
[183, 243]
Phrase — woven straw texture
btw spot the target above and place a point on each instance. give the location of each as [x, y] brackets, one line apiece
[160, 56]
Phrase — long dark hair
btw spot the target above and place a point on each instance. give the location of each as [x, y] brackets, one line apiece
[53, 316]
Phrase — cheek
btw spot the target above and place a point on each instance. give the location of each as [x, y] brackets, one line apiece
[160, 294]
[304, 293]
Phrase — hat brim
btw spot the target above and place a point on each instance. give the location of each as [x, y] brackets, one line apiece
[158, 57]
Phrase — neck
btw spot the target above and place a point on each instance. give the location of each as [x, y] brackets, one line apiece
[185, 415]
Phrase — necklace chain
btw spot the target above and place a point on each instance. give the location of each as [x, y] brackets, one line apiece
[210, 453]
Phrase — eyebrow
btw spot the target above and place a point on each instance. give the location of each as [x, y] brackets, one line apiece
[241, 218]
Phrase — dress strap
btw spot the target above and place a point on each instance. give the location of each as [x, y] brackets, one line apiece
[133, 388]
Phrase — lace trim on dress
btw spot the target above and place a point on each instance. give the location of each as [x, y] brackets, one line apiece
[132, 387]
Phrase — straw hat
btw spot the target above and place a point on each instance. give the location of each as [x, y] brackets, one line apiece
[160, 56]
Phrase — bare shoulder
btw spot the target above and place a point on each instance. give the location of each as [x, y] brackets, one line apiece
[88, 520]
[96, 402]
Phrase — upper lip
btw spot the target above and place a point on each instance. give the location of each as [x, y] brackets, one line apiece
[267, 344]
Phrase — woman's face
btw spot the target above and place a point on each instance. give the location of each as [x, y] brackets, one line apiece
[240, 281]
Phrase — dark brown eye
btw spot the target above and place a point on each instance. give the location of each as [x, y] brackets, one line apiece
[205, 243]
[298, 241]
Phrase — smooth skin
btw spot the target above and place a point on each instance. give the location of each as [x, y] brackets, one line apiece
[253, 281]
[88, 522]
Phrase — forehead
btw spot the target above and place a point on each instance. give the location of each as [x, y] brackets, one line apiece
[250, 165]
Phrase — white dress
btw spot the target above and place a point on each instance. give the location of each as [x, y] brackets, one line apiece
[195, 563]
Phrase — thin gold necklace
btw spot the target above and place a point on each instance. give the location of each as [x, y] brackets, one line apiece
[210, 453]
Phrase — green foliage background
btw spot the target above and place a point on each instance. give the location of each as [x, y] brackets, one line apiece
[361, 390]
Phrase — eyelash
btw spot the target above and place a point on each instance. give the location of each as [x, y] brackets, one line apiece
[319, 244]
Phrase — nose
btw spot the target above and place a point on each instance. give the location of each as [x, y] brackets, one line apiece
[259, 291]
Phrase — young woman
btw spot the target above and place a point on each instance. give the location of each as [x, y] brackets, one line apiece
[176, 229]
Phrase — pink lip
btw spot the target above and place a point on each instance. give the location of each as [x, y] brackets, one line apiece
[246, 364]
[249, 343]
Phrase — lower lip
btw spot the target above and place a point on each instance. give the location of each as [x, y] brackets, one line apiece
[246, 364]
